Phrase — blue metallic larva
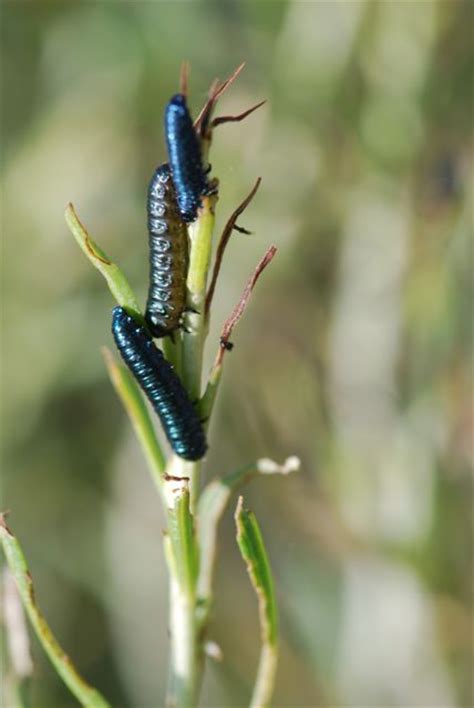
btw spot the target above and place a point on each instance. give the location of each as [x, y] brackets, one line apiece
[168, 242]
[184, 154]
[161, 385]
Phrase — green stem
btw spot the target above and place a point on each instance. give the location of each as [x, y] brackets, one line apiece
[212, 504]
[265, 680]
[184, 681]
[85, 694]
[181, 485]
[182, 556]
[252, 548]
[172, 351]
[195, 322]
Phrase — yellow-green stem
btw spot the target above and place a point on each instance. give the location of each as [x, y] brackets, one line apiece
[181, 544]
[200, 234]
[182, 556]
[264, 683]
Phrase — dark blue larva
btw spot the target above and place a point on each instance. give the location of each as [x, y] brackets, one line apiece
[161, 385]
[168, 242]
[184, 155]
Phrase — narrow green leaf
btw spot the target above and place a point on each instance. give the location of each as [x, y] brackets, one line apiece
[17, 677]
[171, 349]
[200, 233]
[181, 532]
[134, 404]
[206, 404]
[116, 280]
[255, 556]
[85, 694]
[181, 554]
[212, 504]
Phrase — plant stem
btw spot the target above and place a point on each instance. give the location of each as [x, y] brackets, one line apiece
[86, 694]
[212, 504]
[184, 680]
[265, 680]
[195, 327]
[182, 557]
[181, 485]
[252, 548]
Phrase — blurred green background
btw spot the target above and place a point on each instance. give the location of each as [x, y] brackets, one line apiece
[354, 353]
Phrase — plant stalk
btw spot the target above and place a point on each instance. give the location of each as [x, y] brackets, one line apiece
[186, 664]
[265, 680]
[182, 556]
[184, 679]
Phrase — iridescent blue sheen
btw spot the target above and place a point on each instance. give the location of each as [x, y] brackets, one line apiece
[161, 385]
[184, 154]
[168, 243]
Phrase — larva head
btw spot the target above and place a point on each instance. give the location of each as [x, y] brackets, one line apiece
[178, 102]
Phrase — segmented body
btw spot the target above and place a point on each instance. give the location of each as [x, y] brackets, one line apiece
[161, 385]
[168, 243]
[184, 154]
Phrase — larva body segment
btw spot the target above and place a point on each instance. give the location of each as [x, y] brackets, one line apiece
[184, 154]
[168, 244]
[161, 385]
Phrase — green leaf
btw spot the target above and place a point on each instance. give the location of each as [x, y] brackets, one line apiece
[184, 553]
[85, 694]
[255, 556]
[17, 676]
[116, 280]
[206, 404]
[132, 399]
[200, 234]
[212, 504]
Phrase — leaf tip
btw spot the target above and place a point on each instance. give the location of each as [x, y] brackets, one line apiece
[239, 507]
[70, 214]
[3, 522]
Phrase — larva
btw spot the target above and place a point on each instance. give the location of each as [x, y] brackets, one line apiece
[168, 244]
[184, 154]
[161, 385]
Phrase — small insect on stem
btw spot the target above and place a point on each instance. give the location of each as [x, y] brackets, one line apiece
[168, 243]
[161, 385]
[225, 344]
[239, 309]
[184, 154]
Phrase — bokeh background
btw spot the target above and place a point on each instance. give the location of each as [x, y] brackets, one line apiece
[354, 354]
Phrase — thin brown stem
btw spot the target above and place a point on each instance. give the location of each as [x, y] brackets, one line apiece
[224, 239]
[184, 78]
[201, 124]
[239, 309]
[236, 119]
